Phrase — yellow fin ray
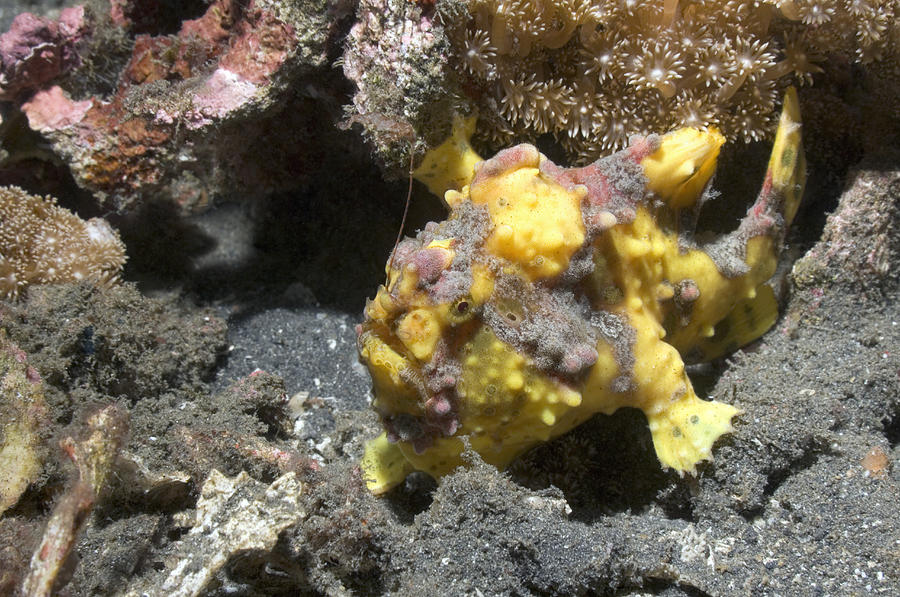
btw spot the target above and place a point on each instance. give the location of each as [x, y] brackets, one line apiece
[681, 167]
[684, 433]
[748, 320]
[787, 162]
[384, 466]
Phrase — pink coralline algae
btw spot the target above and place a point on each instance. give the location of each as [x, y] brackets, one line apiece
[860, 244]
[396, 57]
[223, 92]
[50, 110]
[37, 50]
[175, 125]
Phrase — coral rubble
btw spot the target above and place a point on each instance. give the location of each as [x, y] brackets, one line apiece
[23, 413]
[235, 516]
[94, 453]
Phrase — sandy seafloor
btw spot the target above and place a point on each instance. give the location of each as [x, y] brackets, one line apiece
[791, 505]
[803, 498]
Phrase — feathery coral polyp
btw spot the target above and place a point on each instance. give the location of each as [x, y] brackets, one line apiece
[726, 59]
[42, 243]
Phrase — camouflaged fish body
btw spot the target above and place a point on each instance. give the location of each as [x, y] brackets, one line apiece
[551, 294]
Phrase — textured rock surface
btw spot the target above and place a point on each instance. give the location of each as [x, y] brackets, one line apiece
[173, 125]
[860, 246]
[36, 50]
[234, 516]
[396, 57]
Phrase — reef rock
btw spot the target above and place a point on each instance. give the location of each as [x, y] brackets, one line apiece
[175, 121]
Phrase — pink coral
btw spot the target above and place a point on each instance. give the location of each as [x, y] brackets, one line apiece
[36, 50]
[223, 92]
[174, 123]
[50, 110]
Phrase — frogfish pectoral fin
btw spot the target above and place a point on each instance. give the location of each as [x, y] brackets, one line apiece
[684, 433]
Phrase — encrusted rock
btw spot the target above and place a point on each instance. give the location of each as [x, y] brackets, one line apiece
[396, 56]
[175, 123]
[234, 515]
[860, 244]
[36, 50]
[22, 414]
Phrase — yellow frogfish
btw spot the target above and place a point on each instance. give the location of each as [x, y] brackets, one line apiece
[551, 294]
